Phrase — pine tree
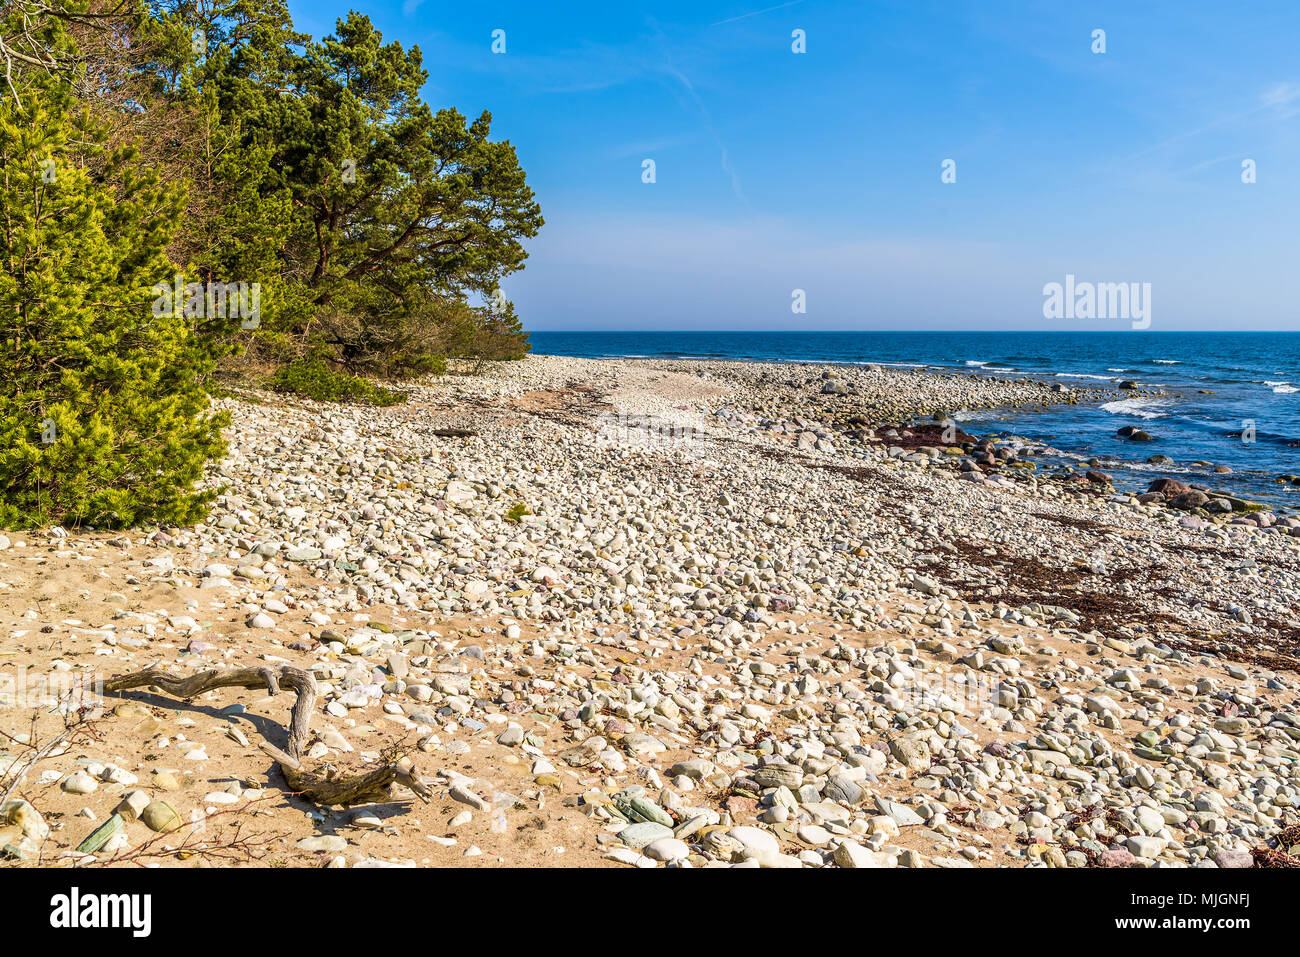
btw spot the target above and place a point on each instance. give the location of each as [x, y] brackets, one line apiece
[402, 212]
[103, 418]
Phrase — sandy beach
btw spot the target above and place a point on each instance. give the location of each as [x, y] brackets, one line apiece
[673, 613]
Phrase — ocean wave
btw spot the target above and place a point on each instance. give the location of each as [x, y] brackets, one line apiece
[1168, 362]
[1083, 375]
[1282, 388]
[1141, 408]
[1166, 469]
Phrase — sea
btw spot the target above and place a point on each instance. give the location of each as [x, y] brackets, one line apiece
[1227, 398]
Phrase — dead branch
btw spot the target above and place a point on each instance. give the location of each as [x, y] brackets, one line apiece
[328, 788]
[75, 728]
[233, 848]
[26, 45]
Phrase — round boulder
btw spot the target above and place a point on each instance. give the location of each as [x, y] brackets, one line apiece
[1168, 487]
[1189, 500]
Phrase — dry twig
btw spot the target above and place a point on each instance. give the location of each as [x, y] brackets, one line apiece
[327, 788]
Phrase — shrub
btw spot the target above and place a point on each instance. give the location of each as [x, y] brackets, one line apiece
[103, 417]
[315, 378]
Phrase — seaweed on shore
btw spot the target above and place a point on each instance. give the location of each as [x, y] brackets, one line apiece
[1026, 581]
[1272, 857]
[1086, 524]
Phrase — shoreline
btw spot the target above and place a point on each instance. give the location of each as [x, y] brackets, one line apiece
[645, 615]
[1012, 414]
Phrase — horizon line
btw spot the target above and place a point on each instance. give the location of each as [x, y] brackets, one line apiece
[696, 331]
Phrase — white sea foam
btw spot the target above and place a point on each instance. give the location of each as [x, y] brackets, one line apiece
[1168, 362]
[1140, 408]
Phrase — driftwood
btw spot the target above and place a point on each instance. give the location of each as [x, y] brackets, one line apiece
[327, 788]
[454, 433]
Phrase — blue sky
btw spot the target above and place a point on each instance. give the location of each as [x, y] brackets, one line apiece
[821, 171]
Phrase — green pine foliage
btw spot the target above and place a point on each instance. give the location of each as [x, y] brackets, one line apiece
[103, 418]
[241, 212]
[371, 217]
[314, 378]
[166, 138]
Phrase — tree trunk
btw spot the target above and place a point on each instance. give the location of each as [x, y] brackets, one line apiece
[319, 789]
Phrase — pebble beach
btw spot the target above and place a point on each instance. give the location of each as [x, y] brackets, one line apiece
[676, 613]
